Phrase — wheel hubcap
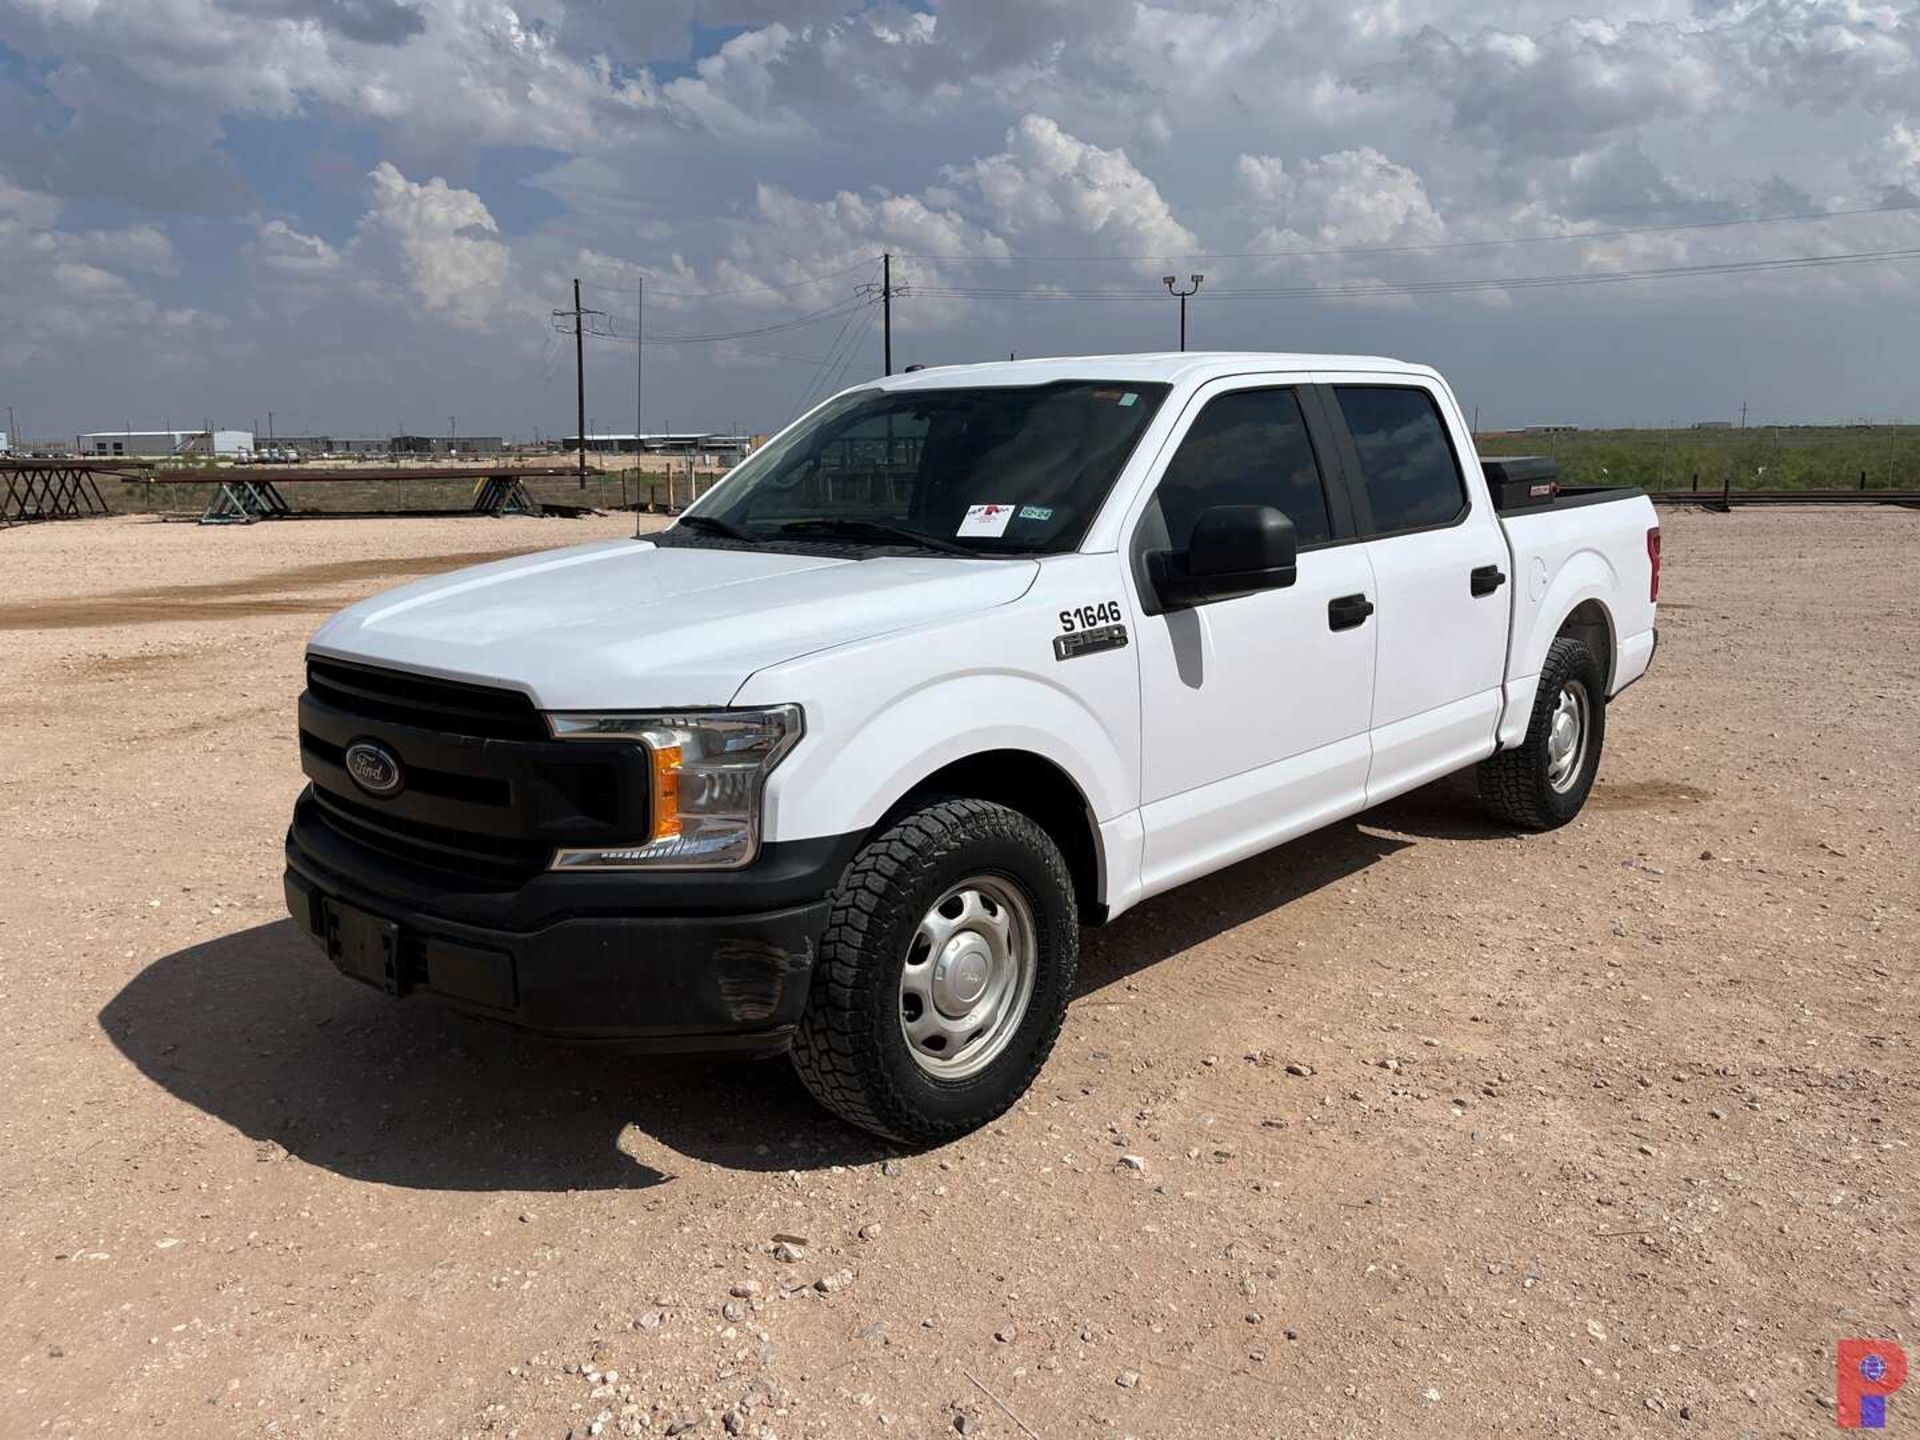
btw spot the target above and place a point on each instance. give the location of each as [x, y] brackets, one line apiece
[968, 977]
[1567, 736]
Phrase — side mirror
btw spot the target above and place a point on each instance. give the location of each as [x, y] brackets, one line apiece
[1234, 550]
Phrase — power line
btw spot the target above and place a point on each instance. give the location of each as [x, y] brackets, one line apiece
[623, 328]
[1677, 225]
[755, 289]
[826, 363]
[1433, 287]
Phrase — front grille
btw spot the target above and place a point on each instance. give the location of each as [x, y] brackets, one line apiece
[448, 706]
[447, 784]
[485, 859]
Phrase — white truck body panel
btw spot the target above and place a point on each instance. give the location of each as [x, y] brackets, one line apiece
[623, 625]
[1216, 732]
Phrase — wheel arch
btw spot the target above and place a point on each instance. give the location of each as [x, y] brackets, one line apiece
[1039, 789]
[1591, 623]
[1577, 603]
[998, 736]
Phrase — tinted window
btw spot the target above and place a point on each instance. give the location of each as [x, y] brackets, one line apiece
[1249, 447]
[1408, 465]
[1038, 459]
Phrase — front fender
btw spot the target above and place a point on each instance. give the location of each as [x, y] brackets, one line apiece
[856, 776]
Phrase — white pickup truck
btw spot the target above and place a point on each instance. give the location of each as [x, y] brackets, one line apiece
[963, 660]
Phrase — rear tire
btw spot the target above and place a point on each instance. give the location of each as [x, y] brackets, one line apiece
[944, 973]
[1544, 782]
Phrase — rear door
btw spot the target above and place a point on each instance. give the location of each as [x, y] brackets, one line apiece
[1254, 710]
[1439, 564]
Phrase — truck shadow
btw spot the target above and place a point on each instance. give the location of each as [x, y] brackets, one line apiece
[257, 1029]
[1197, 912]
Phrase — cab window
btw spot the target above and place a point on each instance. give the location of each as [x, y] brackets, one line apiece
[1247, 447]
[1406, 460]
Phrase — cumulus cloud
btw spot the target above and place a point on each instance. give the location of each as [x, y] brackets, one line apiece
[371, 22]
[1562, 90]
[1045, 192]
[1047, 182]
[283, 256]
[1349, 198]
[445, 239]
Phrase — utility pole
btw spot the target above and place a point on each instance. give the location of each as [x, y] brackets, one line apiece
[639, 365]
[575, 320]
[1171, 283]
[886, 309]
[1743, 414]
[269, 424]
[580, 379]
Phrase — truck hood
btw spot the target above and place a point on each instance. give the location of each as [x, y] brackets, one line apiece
[627, 624]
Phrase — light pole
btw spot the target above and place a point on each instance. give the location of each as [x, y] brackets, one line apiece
[1172, 289]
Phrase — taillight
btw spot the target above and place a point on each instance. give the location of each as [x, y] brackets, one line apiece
[1653, 561]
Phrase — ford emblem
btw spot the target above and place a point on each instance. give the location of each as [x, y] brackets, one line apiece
[374, 768]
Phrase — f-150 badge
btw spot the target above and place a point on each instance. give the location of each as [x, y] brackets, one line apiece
[1076, 643]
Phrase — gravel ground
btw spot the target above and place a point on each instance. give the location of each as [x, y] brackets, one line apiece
[1433, 1130]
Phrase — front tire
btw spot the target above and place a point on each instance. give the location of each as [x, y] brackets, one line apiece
[944, 973]
[1544, 782]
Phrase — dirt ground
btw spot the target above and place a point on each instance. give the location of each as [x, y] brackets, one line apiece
[1606, 1132]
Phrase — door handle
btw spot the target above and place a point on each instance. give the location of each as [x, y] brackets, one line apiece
[1486, 579]
[1347, 611]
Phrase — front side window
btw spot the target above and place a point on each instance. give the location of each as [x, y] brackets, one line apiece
[990, 469]
[1247, 447]
[1406, 460]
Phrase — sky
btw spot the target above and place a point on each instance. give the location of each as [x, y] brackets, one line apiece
[360, 215]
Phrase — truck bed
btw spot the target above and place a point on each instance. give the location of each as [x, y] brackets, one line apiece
[1585, 551]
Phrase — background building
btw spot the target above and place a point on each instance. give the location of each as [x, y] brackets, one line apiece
[724, 449]
[164, 442]
[447, 444]
[321, 446]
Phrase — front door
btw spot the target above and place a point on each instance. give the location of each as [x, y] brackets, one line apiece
[1254, 710]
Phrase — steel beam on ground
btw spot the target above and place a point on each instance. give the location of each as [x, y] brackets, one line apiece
[36, 490]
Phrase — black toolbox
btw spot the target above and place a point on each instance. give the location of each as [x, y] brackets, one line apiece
[1519, 482]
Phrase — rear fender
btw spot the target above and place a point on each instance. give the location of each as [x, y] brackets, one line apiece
[1585, 575]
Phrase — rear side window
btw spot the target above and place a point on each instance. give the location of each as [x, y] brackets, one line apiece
[1405, 458]
[1248, 447]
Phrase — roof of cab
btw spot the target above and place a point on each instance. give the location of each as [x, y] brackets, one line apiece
[1165, 367]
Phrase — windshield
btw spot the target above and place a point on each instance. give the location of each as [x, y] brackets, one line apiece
[989, 470]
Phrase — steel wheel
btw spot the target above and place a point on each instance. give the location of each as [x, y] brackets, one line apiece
[1567, 737]
[968, 977]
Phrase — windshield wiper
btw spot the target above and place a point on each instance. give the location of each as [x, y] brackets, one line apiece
[850, 529]
[714, 525]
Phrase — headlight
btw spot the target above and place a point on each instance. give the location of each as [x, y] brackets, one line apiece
[709, 771]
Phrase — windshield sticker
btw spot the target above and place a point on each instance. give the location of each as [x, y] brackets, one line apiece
[1128, 398]
[986, 520]
[1036, 512]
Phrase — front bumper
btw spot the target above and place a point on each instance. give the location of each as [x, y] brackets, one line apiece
[702, 978]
